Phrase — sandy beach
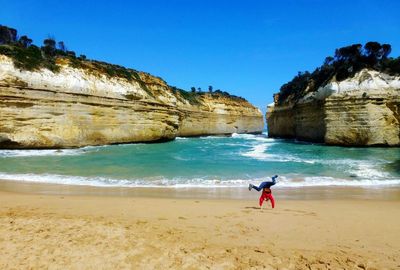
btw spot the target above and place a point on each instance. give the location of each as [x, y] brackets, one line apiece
[139, 232]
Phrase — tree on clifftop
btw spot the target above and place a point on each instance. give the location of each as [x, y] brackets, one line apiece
[49, 47]
[346, 62]
[377, 51]
[61, 46]
[24, 41]
[7, 35]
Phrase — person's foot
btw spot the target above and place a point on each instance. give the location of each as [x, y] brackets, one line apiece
[250, 186]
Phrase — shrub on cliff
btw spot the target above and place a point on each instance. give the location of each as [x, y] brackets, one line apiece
[220, 93]
[346, 62]
[27, 56]
[192, 97]
[391, 66]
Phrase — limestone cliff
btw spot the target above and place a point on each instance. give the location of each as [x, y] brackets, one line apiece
[360, 111]
[76, 107]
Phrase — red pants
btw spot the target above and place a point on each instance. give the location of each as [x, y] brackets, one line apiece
[265, 197]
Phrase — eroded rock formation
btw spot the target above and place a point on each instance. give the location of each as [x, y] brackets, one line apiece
[359, 111]
[74, 108]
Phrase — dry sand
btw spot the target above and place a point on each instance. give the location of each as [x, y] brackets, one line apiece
[93, 232]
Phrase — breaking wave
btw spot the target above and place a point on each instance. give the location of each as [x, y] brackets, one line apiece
[293, 181]
[209, 162]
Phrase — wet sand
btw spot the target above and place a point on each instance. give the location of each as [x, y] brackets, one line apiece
[306, 193]
[58, 227]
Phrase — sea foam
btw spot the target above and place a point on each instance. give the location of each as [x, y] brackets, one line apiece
[284, 181]
[209, 162]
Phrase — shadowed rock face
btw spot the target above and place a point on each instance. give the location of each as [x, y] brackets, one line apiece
[75, 108]
[360, 111]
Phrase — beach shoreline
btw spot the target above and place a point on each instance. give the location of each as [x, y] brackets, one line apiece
[386, 193]
[161, 229]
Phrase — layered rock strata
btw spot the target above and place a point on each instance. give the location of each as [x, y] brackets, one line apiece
[76, 107]
[359, 111]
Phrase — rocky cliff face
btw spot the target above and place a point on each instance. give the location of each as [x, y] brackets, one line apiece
[359, 111]
[74, 108]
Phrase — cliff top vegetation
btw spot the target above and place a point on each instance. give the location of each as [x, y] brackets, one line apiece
[27, 56]
[345, 63]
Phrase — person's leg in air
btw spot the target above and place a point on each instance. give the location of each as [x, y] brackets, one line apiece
[260, 187]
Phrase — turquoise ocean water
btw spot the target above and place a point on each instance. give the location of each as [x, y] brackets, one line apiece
[206, 162]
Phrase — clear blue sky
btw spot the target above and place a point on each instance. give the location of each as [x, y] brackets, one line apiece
[249, 48]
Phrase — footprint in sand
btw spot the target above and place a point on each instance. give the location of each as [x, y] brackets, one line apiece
[252, 207]
[141, 222]
[300, 212]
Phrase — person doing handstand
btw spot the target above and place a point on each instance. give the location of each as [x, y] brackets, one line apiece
[266, 194]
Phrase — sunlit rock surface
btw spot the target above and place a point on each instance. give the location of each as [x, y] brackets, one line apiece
[359, 111]
[74, 108]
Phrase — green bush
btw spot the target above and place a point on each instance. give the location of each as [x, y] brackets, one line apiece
[345, 64]
[30, 57]
[192, 97]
